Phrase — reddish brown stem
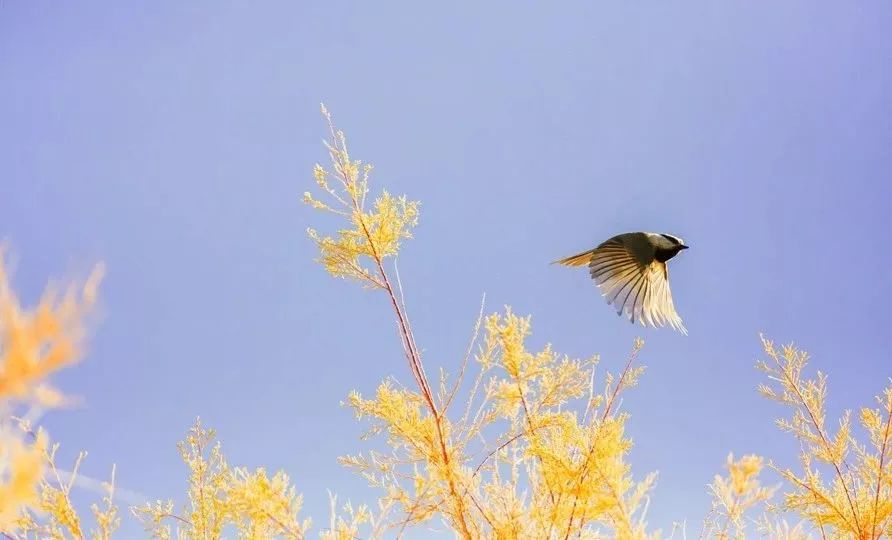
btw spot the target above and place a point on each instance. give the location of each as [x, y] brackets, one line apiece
[876, 499]
[411, 351]
[418, 371]
[283, 526]
[609, 405]
[182, 520]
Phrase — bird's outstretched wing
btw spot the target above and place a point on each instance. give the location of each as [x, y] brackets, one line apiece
[632, 280]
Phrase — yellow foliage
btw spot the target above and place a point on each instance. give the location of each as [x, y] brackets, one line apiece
[38, 342]
[552, 461]
[35, 343]
[734, 495]
[856, 500]
[549, 470]
[25, 467]
[52, 515]
[518, 462]
[220, 496]
[346, 526]
[372, 234]
[531, 445]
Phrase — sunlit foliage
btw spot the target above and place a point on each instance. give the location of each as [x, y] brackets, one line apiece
[223, 498]
[519, 442]
[372, 234]
[534, 449]
[34, 344]
[734, 495]
[843, 487]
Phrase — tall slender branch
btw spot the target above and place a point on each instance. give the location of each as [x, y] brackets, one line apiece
[339, 155]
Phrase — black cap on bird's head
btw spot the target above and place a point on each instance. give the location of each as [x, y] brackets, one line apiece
[676, 241]
[666, 246]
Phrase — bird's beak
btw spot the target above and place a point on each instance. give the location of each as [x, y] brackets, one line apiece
[683, 246]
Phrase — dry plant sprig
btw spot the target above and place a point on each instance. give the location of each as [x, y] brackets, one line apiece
[856, 502]
[375, 235]
[220, 496]
[733, 496]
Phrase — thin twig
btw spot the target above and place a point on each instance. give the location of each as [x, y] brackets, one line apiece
[178, 518]
[591, 396]
[467, 357]
[619, 383]
[413, 356]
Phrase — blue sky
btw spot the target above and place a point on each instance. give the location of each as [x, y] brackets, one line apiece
[173, 141]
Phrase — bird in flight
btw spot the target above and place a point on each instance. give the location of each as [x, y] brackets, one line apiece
[630, 269]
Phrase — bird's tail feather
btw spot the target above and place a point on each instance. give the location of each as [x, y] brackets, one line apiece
[580, 259]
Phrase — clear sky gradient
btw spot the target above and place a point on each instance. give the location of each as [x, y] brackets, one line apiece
[173, 140]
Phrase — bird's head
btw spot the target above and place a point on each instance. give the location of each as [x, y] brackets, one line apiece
[672, 241]
[668, 244]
